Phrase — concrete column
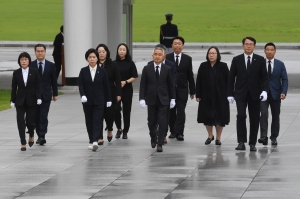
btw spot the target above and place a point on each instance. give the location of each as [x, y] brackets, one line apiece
[99, 12]
[114, 25]
[77, 36]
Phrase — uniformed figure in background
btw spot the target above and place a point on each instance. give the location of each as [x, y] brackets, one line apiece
[167, 32]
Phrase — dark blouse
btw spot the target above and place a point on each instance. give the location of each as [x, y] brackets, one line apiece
[127, 70]
[113, 76]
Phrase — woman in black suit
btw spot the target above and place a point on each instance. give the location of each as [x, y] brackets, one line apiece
[95, 95]
[211, 87]
[128, 74]
[25, 94]
[114, 81]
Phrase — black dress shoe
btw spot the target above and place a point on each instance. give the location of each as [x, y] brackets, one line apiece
[100, 142]
[42, 141]
[124, 135]
[153, 141]
[263, 140]
[241, 146]
[172, 136]
[159, 148]
[218, 142]
[38, 140]
[180, 138]
[118, 135]
[208, 140]
[109, 138]
[252, 147]
[23, 148]
[274, 142]
[30, 143]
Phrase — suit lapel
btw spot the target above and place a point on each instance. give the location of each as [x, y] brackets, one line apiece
[20, 76]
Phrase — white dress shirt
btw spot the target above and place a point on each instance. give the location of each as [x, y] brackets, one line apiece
[272, 64]
[43, 65]
[25, 75]
[246, 59]
[159, 67]
[179, 57]
[93, 71]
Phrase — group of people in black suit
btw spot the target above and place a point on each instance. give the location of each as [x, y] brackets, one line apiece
[34, 85]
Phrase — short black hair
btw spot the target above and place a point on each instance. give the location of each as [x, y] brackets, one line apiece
[127, 56]
[39, 45]
[62, 29]
[250, 38]
[108, 59]
[178, 37]
[90, 51]
[270, 44]
[218, 53]
[24, 54]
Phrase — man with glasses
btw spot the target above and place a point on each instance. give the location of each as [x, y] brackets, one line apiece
[247, 84]
[49, 83]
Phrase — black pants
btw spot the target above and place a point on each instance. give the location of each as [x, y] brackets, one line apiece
[177, 115]
[57, 61]
[254, 112]
[126, 101]
[41, 119]
[25, 117]
[93, 121]
[158, 113]
[275, 111]
[109, 117]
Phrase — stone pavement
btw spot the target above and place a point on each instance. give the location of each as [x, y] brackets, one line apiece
[65, 168]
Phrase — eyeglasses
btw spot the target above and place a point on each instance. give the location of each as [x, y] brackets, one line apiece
[212, 53]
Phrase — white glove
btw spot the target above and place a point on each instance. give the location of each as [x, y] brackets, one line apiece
[83, 99]
[142, 103]
[12, 104]
[108, 104]
[172, 103]
[230, 99]
[263, 96]
[39, 101]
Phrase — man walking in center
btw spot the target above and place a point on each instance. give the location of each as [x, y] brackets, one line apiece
[247, 84]
[278, 86]
[49, 83]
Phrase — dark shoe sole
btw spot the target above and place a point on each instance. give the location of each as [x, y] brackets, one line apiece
[42, 142]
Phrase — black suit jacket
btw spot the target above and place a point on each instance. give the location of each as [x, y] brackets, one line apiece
[150, 88]
[185, 76]
[241, 81]
[49, 81]
[31, 92]
[172, 65]
[58, 41]
[97, 92]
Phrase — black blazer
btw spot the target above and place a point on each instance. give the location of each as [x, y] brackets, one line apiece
[114, 79]
[58, 41]
[49, 81]
[150, 88]
[31, 92]
[204, 91]
[97, 92]
[185, 76]
[241, 81]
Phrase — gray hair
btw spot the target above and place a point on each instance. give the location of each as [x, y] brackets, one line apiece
[159, 48]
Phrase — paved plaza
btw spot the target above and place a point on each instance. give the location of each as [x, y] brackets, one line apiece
[65, 168]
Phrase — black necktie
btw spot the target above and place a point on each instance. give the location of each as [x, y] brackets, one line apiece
[157, 73]
[248, 63]
[176, 61]
[269, 69]
[40, 69]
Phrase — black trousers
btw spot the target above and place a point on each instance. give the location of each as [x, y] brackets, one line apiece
[41, 119]
[177, 115]
[58, 62]
[25, 117]
[93, 121]
[109, 117]
[158, 113]
[275, 111]
[126, 101]
[254, 112]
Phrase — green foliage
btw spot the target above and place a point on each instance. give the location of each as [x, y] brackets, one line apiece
[197, 20]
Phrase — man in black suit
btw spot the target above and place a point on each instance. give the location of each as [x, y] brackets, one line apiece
[49, 83]
[185, 82]
[247, 84]
[156, 90]
[167, 32]
[58, 42]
